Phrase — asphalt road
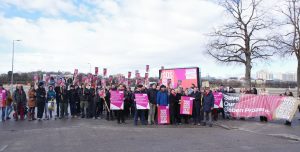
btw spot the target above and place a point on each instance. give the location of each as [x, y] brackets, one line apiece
[88, 135]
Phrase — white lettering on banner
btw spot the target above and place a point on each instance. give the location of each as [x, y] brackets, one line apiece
[163, 116]
[231, 98]
[186, 107]
[285, 109]
[191, 74]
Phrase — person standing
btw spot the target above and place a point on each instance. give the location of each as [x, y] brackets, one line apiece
[72, 100]
[31, 102]
[91, 102]
[20, 100]
[3, 96]
[77, 99]
[162, 97]
[121, 113]
[64, 103]
[58, 94]
[41, 99]
[9, 101]
[172, 101]
[208, 105]
[84, 101]
[196, 105]
[138, 112]
[152, 92]
[51, 95]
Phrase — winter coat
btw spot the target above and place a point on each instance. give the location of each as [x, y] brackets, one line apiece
[65, 96]
[152, 95]
[208, 102]
[51, 95]
[162, 98]
[40, 95]
[72, 95]
[20, 97]
[32, 98]
[197, 96]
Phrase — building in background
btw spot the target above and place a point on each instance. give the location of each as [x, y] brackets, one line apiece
[264, 75]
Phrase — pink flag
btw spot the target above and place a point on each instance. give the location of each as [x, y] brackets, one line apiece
[96, 70]
[104, 72]
[218, 99]
[129, 75]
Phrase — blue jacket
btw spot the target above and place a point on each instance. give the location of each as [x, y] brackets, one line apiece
[50, 95]
[208, 102]
[162, 98]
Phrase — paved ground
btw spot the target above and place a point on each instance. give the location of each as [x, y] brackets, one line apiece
[90, 135]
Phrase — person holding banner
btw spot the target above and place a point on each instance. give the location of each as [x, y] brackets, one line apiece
[162, 97]
[139, 113]
[208, 105]
[152, 93]
[174, 107]
[109, 114]
[120, 113]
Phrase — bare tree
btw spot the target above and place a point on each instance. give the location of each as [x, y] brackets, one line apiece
[289, 38]
[244, 39]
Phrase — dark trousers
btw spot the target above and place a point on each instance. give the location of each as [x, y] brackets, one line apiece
[120, 116]
[177, 117]
[98, 109]
[109, 115]
[91, 109]
[73, 108]
[57, 106]
[196, 112]
[139, 114]
[40, 109]
[78, 107]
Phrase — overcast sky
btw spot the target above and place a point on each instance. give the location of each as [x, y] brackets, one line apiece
[121, 35]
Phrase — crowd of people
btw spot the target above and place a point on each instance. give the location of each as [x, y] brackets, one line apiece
[93, 102]
[86, 101]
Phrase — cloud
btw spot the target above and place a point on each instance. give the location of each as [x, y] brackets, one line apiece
[120, 35]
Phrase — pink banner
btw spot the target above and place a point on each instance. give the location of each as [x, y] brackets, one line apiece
[180, 77]
[218, 99]
[142, 101]
[116, 100]
[186, 105]
[163, 115]
[96, 70]
[147, 68]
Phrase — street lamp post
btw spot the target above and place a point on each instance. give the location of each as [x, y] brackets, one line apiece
[12, 65]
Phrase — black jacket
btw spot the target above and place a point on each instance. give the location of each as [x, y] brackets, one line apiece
[41, 95]
[152, 95]
[197, 96]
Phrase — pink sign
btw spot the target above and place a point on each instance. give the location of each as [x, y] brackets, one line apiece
[163, 115]
[142, 101]
[186, 106]
[116, 100]
[218, 99]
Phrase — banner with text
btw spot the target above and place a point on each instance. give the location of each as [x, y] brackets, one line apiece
[116, 100]
[186, 105]
[163, 115]
[142, 101]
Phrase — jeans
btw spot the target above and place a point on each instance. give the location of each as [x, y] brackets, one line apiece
[73, 108]
[209, 116]
[141, 114]
[151, 113]
[83, 106]
[63, 110]
[8, 110]
[3, 113]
